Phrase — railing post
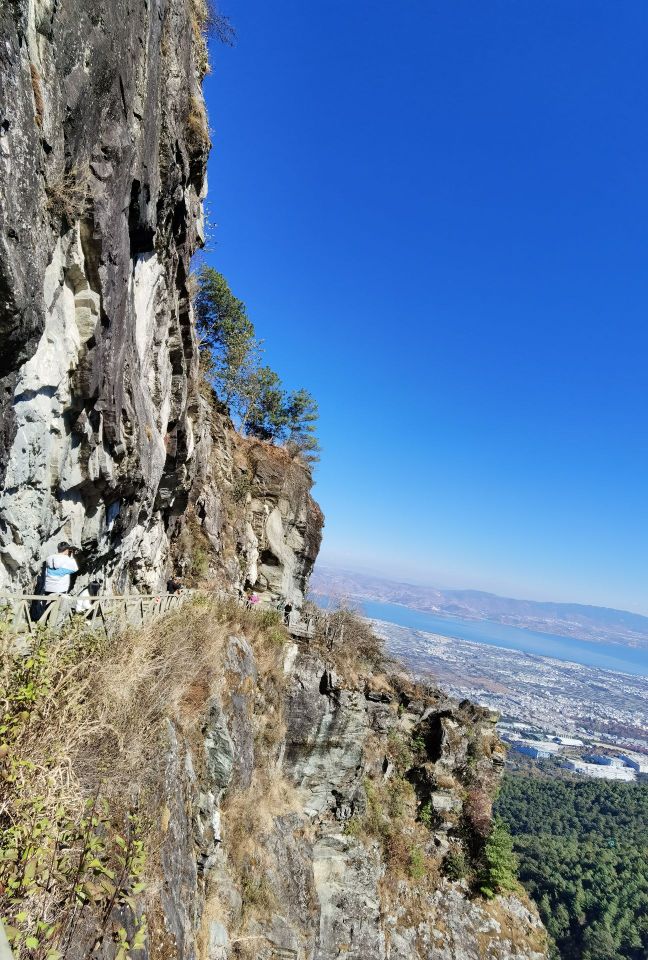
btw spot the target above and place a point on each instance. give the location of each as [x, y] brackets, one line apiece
[135, 610]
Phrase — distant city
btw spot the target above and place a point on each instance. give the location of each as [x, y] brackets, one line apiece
[574, 718]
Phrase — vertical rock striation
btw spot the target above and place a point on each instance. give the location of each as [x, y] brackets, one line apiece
[103, 146]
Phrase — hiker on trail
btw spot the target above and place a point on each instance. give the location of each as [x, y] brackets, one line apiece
[288, 609]
[84, 602]
[60, 567]
[252, 601]
[174, 585]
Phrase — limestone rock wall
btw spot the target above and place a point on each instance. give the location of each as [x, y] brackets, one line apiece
[103, 149]
[252, 517]
[270, 803]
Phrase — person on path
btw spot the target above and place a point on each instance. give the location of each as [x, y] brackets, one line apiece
[84, 602]
[60, 567]
[288, 609]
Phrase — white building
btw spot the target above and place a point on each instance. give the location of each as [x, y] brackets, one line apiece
[604, 761]
[600, 771]
[637, 762]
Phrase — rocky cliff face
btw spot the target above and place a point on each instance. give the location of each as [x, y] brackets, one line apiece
[103, 144]
[325, 812]
[309, 806]
[252, 522]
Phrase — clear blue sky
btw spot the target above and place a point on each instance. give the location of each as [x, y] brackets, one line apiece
[437, 214]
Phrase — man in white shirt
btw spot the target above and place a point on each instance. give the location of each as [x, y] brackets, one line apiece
[59, 568]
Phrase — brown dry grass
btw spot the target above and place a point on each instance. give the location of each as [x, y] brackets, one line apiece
[87, 720]
[197, 127]
[522, 937]
[39, 103]
[248, 819]
[67, 195]
[206, 21]
[345, 640]
[214, 910]
[97, 720]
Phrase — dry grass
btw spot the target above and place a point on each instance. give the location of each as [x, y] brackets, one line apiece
[82, 718]
[97, 719]
[207, 21]
[167, 669]
[345, 639]
[248, 820]
[39, 103]
[521, 936]
[213, 910]
[197, 127]
[67, 195]
[198, 12]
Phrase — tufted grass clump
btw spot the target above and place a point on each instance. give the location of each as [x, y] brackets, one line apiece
[197, 127]
[67, 195]
[82, 763]
[208, 22]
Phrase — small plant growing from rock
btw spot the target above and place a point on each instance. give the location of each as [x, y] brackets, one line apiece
[197, 128]
[417, 867]
[456, 865]
[67, 196]
[498, 873]
[418, 744]
[426, 815]
[241, 488]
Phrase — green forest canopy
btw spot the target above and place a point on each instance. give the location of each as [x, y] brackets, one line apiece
[583, 850]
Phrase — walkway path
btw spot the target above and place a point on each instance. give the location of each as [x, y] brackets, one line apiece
[108, 613]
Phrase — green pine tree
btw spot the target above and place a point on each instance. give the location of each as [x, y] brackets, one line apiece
[500, 864]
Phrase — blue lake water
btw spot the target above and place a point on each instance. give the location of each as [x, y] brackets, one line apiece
[608, 656]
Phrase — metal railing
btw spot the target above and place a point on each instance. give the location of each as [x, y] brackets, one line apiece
[25, 613]
[28, 612]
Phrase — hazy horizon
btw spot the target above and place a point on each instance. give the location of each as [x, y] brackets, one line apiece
[451, 586]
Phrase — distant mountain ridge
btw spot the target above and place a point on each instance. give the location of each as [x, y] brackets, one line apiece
[575, 620]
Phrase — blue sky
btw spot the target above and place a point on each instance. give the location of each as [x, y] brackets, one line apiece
[437, 214]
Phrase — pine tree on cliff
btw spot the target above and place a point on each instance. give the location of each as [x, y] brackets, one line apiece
[302, 421]
[252, 391]
[226, 331]
[500, 864]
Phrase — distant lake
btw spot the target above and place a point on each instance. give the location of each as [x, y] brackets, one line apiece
[608, 656]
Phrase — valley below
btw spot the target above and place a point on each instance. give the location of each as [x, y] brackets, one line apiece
[553, 696]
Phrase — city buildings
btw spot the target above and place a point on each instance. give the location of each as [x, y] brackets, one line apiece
[599, 771]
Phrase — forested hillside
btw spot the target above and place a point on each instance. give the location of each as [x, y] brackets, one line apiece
[583, 858]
